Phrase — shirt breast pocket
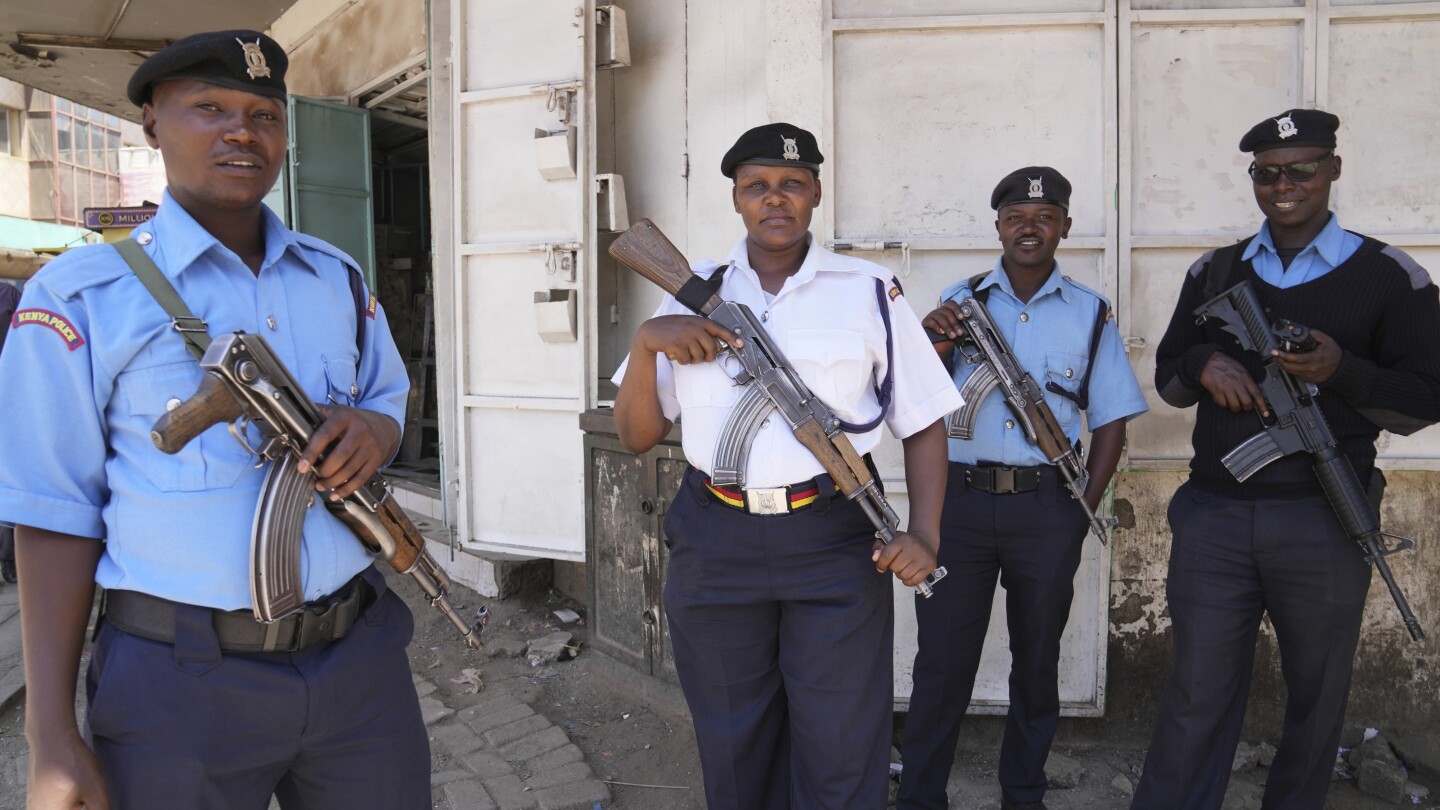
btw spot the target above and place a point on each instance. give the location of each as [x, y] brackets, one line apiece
[340, 378]
[211, 460]
[833, 363]
[1065, 371]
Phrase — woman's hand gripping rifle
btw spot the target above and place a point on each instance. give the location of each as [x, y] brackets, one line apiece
[245, 381]
[644, 249]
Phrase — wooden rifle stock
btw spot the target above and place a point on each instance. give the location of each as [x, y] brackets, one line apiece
[647, 251]
[213, 404]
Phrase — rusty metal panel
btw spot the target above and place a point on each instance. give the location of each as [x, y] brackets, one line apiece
[669, 473]
[615, 488]
[1195, 89]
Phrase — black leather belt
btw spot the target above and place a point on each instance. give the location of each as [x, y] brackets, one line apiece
[1005, 480]
[146, 616]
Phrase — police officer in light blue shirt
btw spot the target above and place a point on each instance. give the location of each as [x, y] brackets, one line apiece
[1286, 268]
[1007, 512]
[192, 702]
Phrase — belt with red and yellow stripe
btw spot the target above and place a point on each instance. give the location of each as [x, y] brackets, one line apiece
[766, 500]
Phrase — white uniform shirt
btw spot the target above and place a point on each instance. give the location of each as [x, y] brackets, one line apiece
[827, 322]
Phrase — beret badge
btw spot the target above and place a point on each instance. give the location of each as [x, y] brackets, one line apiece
[1286, 127]
[255, 64]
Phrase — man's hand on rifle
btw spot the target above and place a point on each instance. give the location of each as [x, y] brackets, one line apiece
[1231, 385]
[945, 320]
[685, 339]
[909, 557]
[1315, 366]
[354, 442]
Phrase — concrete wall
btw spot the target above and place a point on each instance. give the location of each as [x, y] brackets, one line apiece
[1393, 687]
[336, 46]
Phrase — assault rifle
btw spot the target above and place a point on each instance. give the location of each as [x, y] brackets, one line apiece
[769, 384]
[996, 365]
[1298, 425]
[245, 381]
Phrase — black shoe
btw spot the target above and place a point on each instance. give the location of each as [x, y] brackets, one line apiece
[7, 570]
[1006, 804]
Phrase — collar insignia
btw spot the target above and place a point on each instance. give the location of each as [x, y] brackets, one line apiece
[792, 151]
[1287, 127]
[255, 64]
[1037, 190]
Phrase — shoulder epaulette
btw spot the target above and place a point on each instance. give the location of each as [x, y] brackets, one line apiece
[81, 268]
[328, 249]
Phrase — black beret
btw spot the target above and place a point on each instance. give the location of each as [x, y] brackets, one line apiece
[1032, 184]
[774, 145]
[1292, 128]
[240, 60]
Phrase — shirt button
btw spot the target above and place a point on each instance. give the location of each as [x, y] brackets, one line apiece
[270, 322]
[1069, 373]
[145, 238]
[171, 404]
[1024, 317]
[765, 316]
[1009, 424]
[354, 390]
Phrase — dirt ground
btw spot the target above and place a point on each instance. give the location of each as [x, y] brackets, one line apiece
[635, 734]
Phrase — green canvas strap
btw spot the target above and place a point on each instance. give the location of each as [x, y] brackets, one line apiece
[191, 328]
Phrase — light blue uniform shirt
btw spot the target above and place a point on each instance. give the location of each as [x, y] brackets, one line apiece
[91, 362]
[1328, 250]
[1051, 339]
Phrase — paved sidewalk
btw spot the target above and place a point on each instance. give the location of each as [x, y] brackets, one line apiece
[506, 757]
[495, 752]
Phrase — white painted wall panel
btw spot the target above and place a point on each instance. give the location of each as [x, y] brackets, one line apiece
[506, 357]
[1155, 280]
[919, 145]
[1385, 84]
[1195, 90]
[847, 9]
[514, 509]
[510, 43]
[725, 70]
[1208, 4]
[505, 196]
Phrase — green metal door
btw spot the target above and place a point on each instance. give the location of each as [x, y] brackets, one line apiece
[329, 178]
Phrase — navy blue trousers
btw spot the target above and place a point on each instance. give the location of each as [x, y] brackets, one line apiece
[1031, 542]
[782, 634]
[1232, 561]
[332, 726]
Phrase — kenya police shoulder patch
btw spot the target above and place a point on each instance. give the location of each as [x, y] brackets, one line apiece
[44, 317]
[895, 292]
[370, 308]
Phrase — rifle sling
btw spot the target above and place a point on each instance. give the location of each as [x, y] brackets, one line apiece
[191, 328]
[194, 330]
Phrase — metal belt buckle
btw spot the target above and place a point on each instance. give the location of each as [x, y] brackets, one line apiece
[774, 501]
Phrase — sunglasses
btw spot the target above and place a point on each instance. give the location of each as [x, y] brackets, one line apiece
[1297, 172]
